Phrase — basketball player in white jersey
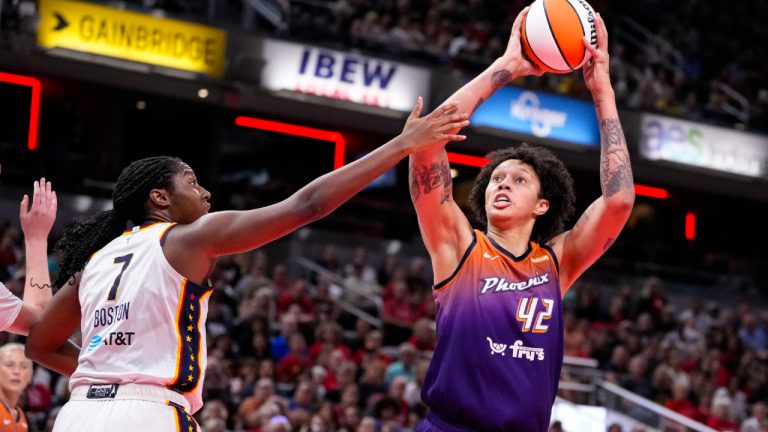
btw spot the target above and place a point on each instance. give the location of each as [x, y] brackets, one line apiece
[140, 296]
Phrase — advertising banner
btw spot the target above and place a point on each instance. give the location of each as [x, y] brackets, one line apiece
[695, 144]
[132, 36]
[540, 115]
[343, 75]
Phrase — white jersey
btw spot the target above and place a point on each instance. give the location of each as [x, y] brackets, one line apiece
[10, 306]
[142, 322]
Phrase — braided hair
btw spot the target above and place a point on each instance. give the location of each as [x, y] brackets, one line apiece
[84, 237]
[556, 187]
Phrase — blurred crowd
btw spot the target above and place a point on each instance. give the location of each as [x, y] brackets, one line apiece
[697, 59]
[344, 346]
[669, 66]
[706, 361]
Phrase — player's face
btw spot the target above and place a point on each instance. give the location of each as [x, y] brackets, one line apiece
[189, 200]
[512, 194]
[15, 371]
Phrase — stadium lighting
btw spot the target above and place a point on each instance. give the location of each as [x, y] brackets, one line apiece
[291, 129]
[651, 192]
[34, 114]
[462, 159]
[690, 226]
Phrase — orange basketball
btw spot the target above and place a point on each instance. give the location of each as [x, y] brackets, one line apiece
[552, 34]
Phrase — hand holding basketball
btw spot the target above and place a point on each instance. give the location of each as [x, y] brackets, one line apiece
[515, 51]
[596, 72]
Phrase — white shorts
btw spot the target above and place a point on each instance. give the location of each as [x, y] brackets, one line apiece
[125, 408]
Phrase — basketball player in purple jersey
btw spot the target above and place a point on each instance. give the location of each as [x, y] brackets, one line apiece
[498, 292]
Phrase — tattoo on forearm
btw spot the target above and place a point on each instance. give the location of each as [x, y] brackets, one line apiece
[426, 179]
[500, 78]
[477, 105]
[43, 286]
[615, 169]
[609, 243]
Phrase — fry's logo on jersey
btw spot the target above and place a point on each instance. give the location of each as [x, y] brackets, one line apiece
[518, 350]
[501, 284]
[111, 338]
[111, 314]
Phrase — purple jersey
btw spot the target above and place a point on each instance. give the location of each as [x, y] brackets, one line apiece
[500, 341]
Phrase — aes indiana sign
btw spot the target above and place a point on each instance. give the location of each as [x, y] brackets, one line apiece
[695, 144]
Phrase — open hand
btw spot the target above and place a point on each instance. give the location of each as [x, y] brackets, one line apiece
[37, 221]
[437, 127]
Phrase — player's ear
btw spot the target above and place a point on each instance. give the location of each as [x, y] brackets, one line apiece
[542, 206]
[159, 198]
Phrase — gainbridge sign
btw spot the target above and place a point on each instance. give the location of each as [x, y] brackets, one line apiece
[132, 36]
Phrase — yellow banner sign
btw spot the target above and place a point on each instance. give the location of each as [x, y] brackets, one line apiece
[132, 36]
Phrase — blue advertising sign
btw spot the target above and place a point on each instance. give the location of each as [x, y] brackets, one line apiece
[541, 115]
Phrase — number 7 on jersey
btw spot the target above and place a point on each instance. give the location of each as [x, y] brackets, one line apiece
[125, 260]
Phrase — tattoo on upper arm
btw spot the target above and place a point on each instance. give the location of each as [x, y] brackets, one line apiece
[615, 168]
[414, 186]
[500, 78]
[447, 194]
[431, 178]
[584, 216]
[43, 286]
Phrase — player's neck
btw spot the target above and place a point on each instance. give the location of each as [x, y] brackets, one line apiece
[156, 215]
[515, 240]
[9, 401]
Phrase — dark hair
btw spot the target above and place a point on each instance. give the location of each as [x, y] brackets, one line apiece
[556, 187]
[84, 237]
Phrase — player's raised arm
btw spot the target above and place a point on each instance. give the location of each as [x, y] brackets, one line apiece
[37, 219]
[600, 225]
[444, 228]
[229, 232]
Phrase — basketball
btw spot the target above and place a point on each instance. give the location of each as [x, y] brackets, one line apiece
[552, 34]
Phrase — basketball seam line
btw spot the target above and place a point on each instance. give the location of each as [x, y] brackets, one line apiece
[532, 52]
[578, 17]
[549, 27]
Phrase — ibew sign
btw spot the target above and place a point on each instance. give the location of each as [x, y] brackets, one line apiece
[540, 115]
[342, 75]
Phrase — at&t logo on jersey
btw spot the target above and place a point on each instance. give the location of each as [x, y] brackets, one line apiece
[501, 284]
[111, 338]
[518, 350]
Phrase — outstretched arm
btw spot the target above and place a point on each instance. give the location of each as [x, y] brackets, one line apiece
[444, 228]
[36, 223]
[600, 225]
[230, 232]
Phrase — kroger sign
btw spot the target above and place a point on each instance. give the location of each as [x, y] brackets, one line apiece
[343, 75]
[540, 115]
